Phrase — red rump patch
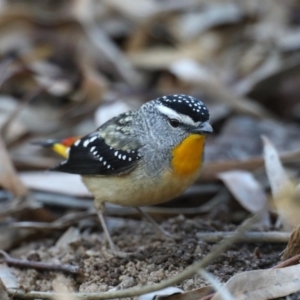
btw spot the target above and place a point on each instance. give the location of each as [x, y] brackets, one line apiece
[68, 142]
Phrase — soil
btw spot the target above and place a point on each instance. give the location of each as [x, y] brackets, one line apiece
[155, 260]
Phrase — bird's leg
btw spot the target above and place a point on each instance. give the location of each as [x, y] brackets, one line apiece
[106, 232]
[116, 252]
[159, 230]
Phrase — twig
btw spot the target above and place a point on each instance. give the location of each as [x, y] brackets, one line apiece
[59, 224]
[38, 265]
[249, 237]
[140, 290]
[211, 169]
[289, 262]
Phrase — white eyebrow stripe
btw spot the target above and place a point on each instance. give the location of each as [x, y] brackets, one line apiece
[172, 114]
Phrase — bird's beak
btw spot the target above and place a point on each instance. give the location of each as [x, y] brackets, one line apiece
[204, 128]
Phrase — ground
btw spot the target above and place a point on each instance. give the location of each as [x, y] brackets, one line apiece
[156, 259]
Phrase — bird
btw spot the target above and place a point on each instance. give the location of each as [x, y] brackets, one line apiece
[141, 157]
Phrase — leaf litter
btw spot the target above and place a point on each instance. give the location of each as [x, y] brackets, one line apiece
[68, 67]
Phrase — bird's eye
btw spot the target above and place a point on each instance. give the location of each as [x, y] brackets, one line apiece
[174, 122]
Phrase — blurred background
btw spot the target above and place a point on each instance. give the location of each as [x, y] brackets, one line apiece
[68, 66]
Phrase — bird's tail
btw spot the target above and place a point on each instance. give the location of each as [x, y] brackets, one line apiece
[60, 147]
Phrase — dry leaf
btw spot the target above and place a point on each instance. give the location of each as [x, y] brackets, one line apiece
[286, 198]
[8, 278]
[263, 284]
[69, 236]
[194, 294]
[277, 176]
[161, 294]
[14, 131]
[293, 246]
[8, 176]
[247, 191]
[3, 291]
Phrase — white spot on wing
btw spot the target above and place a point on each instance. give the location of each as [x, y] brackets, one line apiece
[77, 143]
[86, 143]
[93, 138]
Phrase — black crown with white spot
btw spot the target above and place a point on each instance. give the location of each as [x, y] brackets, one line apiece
[186, 105]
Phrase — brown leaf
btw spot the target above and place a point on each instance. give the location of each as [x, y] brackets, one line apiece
[263, 284]
[9, 179]
[293, 246]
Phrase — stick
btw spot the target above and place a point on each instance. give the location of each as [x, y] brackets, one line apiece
[248, 237]
[291, 261]
[38, 265]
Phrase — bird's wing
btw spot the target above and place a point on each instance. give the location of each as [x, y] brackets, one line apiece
[111, 150]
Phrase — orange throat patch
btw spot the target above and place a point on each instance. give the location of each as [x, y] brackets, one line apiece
[187, 156]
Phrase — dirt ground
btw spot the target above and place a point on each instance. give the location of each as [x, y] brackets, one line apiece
[154, 261]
